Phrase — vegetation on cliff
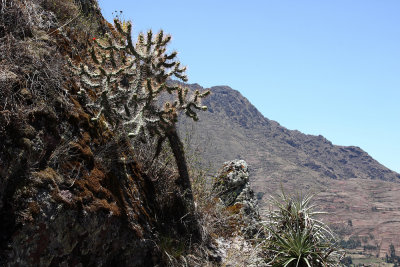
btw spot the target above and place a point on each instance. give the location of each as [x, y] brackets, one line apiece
[86, 174]
[73, 189]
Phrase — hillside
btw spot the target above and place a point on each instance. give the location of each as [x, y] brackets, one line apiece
[93, 171]
[360, 194]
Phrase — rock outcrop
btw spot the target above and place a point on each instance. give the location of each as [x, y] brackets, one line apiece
[232, 186]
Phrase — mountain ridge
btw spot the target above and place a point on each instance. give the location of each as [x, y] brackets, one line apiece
[349, 180]
[249, 117]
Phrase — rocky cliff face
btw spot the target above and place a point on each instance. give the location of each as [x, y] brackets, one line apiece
[353, 186]
[72, 193]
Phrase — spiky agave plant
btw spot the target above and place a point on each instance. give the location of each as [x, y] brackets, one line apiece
[297, 237]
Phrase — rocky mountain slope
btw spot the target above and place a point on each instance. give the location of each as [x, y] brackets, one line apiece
[360, 194]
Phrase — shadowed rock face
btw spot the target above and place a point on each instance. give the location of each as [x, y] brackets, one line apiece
[61, 202]
[71, 191]
[347, 177]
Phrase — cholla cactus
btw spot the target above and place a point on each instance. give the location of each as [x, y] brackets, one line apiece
[131, 77]
[124, 81]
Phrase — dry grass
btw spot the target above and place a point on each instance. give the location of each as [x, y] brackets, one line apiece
[31, 78]
[222, 243]
[73, 14]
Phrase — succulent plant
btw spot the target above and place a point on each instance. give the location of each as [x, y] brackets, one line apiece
[123, 82]
[128, 79]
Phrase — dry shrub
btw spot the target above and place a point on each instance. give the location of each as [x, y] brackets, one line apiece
[64, 10]
[20, 18]
[32, 69]
[159, 168]
[31, 78]
[15, 19]
[215, 219]
[76, 14]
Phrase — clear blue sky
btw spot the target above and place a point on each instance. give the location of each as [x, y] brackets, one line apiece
[322, 67]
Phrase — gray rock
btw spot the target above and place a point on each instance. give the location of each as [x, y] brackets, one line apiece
[233, 188]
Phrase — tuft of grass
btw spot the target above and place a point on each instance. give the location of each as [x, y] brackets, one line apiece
[173, 247]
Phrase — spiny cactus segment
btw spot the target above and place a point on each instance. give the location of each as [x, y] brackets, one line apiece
[129, 77]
